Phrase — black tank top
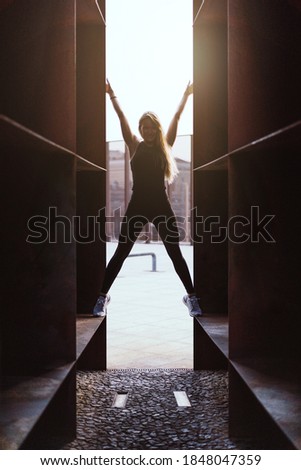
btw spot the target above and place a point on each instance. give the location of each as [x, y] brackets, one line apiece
[148, 174]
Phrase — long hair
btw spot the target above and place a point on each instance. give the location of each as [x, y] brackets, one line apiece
[167, 161]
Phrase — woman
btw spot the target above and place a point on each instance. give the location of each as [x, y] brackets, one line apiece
[152, 165]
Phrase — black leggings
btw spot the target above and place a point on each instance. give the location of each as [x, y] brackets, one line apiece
[139, 212]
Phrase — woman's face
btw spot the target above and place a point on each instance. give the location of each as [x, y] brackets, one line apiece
[148, 131]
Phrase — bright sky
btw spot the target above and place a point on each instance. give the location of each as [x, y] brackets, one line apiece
[149, 60]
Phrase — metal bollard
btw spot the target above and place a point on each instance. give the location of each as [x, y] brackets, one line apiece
[154, 259]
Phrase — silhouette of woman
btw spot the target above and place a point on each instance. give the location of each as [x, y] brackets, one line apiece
[152, 165]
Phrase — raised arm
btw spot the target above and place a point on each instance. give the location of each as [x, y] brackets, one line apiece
[173, 126]
[130, 139]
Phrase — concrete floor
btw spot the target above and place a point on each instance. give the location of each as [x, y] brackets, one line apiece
[148, 324]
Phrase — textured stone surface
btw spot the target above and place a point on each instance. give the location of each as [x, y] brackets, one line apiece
[152, 418]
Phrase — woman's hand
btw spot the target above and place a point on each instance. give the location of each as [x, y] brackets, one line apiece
[189, 89]
[109, 89]
[173, 126]
[130, 139]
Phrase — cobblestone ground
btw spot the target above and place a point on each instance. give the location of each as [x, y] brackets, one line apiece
[152, 418]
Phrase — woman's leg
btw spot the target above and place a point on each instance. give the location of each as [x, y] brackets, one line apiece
[131, 227]
[169, 233]
[167, 228]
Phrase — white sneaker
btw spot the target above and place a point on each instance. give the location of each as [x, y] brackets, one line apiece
[100, 308]
[192, 304]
